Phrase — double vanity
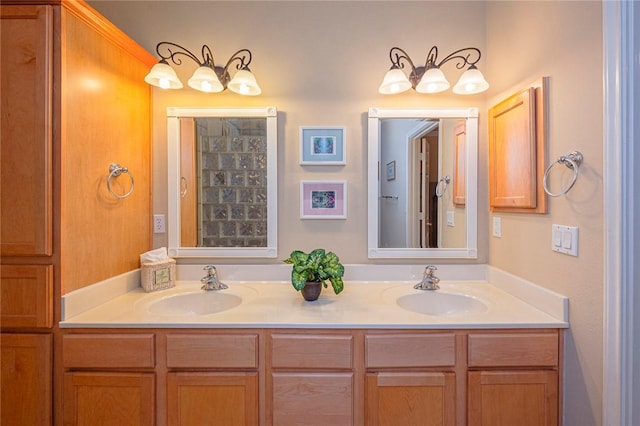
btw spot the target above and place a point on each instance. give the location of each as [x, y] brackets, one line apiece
[381, 352]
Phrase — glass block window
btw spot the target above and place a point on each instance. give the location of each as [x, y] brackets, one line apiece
[232, 166]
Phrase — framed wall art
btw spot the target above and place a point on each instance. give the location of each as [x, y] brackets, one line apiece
[391, 170]
[323, 199]
[322, 145]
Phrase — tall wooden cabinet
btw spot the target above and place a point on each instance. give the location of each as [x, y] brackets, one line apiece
[26, 217]
[73, 101]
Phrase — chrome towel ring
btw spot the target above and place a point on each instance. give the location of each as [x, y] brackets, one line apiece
[442, 185]
[184, 186]
[572, 160]
[116, 170]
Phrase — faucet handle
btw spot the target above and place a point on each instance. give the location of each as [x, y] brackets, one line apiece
[211, 270]
[429, 270]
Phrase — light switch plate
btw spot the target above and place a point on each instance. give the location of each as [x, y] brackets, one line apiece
[564, 239]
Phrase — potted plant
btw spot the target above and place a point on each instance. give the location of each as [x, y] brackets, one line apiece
[312, 271]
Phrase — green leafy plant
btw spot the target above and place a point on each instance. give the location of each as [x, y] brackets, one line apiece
[317, 265]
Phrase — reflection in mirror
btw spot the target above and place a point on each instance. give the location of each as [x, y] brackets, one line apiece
[422, 183]
[416, 208]
[222, 182]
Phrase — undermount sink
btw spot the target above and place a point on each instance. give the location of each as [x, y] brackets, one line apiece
[439, 303]
[197, 303]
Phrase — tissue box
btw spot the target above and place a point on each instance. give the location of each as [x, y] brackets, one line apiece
[158, 275]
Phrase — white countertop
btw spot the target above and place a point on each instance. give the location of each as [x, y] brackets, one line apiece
[275, 304]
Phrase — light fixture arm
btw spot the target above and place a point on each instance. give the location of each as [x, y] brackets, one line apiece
[168, 48]
[172, 51]
[463, 60]
[241, 57]
[398, 55]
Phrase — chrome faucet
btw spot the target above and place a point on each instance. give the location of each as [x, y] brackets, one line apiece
[211, 281]
[429, 280]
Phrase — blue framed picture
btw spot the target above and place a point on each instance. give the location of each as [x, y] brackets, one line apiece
[322, 146]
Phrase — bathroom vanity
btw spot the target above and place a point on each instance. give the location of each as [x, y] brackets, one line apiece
[358, 358]
[319, 377]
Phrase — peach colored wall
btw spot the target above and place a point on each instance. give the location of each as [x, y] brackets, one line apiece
[562, 40]
[319, 63]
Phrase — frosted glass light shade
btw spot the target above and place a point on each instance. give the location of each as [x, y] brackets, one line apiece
[205, 79]
[433, 81]
[395, 81]
[471, 82]
[244, 83]
[163, 76]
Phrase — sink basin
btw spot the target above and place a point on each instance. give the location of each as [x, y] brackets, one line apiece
[440, 303]
[197, 303]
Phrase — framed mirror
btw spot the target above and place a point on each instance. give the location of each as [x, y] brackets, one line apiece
[422, 179]
[222, 182]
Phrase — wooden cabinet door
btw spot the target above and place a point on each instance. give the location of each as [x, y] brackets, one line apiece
[215, 399]
[512, 152]
[410, 399]
[306, 398]
[26, 130]
[26, 379]
[188, 183]
[105, 398]
[26, 296]
[523, 398]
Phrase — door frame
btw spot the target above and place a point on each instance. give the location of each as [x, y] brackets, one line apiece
[414, 136]
[621, 112]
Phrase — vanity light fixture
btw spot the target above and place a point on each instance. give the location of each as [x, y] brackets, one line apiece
[207, 77]
[429, 78]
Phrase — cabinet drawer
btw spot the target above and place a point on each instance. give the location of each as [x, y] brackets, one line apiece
[212, 351]
[108, 350]
[311, 351]
[26, 294]
[410, 350]
[511, 349]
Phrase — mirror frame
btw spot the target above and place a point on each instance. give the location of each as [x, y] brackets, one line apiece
[374, 171]
[173, 187]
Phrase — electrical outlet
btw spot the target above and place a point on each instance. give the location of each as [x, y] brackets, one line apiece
[158, 224]
[450, 219]
[497, 227]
